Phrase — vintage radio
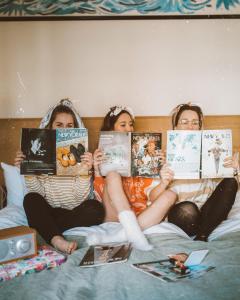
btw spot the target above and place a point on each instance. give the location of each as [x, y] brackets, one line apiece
[17, 242]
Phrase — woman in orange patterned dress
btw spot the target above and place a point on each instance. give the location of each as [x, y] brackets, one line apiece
[126, 198]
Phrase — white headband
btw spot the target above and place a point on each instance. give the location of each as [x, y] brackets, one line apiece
[65, 102]
[117, 109]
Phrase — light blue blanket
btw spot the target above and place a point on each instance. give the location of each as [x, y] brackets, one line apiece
[121, 281]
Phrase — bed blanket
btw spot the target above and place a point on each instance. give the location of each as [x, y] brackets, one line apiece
[122, 282]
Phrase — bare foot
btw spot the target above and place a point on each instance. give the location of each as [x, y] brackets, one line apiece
[61, 244]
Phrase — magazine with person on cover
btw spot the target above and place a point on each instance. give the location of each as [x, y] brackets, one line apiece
[54, 152]
[131, 153]
[105, 254]
[194, 154]
[216, 146]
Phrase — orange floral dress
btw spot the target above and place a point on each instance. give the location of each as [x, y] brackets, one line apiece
[135, 188]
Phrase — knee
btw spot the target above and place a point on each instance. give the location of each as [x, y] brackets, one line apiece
[185, 215]
[113, 176]
[31, 200]
[94, 209]
[185, 207]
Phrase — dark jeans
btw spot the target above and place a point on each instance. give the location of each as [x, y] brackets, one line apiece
[49, 221]
[202, 222]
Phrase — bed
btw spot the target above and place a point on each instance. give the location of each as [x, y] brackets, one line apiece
[122, 281]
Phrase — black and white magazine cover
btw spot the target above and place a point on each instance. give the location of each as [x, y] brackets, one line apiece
[39, 148]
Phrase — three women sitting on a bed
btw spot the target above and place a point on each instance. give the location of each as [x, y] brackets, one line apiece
[55, 204]
[198, 206]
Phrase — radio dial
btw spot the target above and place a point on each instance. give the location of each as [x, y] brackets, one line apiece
[23, 246]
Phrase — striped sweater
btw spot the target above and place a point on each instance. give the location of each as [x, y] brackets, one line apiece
[65, 192]
[194, 190]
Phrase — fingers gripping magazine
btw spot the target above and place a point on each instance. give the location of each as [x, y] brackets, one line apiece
[105, 254]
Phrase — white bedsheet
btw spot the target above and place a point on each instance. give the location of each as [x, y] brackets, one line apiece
[12, 215]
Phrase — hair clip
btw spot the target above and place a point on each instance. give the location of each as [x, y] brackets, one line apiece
[176, 110]
[178, 107]
[117, 109]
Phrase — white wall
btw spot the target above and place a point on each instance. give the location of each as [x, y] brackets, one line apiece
[150, 65]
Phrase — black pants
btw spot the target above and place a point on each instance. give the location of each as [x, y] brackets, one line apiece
[202, 222]
[49, 221]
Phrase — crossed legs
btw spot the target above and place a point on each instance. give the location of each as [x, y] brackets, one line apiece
[118, 209]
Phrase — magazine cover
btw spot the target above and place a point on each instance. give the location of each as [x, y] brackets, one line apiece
[71, 143]
[184, 152]
[39, 147]
[216, 146]
[116, 147]
[167, 272]
[104, 254]
[146, 148]
[54, 152]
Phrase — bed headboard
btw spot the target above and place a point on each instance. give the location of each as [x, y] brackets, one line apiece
[10, 131]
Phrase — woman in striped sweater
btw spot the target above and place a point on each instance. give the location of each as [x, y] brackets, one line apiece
[56, 203]
[201, 205]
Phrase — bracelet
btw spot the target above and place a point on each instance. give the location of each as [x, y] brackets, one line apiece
[235, 172]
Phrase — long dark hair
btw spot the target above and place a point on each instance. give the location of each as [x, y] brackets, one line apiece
[176, 113]
[62, 109]
[111, 118]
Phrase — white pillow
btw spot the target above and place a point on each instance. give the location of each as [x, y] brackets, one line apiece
[12, 216]
[15, 184]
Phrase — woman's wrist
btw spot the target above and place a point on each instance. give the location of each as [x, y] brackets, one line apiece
[164, 183]
[235, 172]
[97, 174]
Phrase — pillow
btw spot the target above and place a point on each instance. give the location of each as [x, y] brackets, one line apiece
[12, 216]
[15, 184]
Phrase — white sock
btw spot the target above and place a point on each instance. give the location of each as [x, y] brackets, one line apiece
[133, 231]
[117, 236]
